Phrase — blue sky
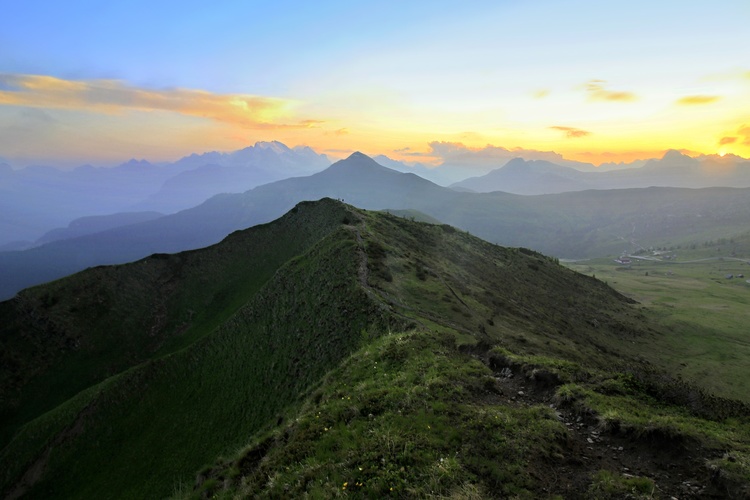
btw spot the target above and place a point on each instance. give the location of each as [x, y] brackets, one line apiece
[589, 79]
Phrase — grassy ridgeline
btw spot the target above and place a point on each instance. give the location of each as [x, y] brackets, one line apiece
[58, 339]
[160, 421]
[394, 405]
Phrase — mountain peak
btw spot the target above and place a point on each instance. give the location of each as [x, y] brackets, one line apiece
[276, 146]
[515, 163]
[357, 156]
[673, 154]
[136, 163]
[358, 161]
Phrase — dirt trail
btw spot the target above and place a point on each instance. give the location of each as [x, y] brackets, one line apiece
[677, 467]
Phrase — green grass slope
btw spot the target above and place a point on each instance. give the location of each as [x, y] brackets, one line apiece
[404, 359]
[520, 379]
[62, 337]
[411, 415]
[158, 422]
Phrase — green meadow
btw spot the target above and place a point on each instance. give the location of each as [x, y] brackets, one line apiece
[705, 313]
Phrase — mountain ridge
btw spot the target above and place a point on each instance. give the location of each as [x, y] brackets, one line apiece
[379, 323]
[570, 225]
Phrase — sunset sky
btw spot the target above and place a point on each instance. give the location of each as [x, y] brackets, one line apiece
[101, 82]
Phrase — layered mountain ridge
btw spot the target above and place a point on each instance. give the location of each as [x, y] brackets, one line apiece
[566, 225]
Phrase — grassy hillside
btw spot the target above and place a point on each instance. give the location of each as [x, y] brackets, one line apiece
[70, 334]
[168, 416]
[399, 358]
[411, 415]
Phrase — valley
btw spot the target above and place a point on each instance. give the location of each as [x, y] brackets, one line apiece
[704, 311]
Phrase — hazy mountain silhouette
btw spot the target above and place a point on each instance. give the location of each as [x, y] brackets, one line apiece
[37, 199]
[96, 224]
[358, 179]
[213, 173]
[434, 174]
[674, 169]
[520, 176]
[572, 224]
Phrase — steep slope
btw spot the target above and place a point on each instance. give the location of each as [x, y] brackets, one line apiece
[411, 416]
[392, 405]
[518, 380]
[59, 339]
[207, 398]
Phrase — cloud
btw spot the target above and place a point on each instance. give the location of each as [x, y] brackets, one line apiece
[540, 94]
[309, 124]
[341, 131]
[572, 133]
[402, 150]
[744, 131]
[727, 140]
[597, 92]
[697, 99]
[113, 96]
[457, 154]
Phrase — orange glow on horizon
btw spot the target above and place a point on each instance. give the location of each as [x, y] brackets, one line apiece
[127, 121]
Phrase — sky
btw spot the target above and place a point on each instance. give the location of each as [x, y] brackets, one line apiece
[102, 82]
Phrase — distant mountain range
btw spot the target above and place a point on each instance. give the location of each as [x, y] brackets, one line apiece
[35, 200]
[573, 224]
[203, 176]
[526, 177]
[38, 199]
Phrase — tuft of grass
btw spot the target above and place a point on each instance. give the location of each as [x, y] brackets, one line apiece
[610, 485]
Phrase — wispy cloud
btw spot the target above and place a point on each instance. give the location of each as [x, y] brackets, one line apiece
[692, 100]
[113, 96]
[744, 132]
[458, 154]
[742, 136]
[309, 124]
[540, 94]
[571, 132]
[597, 92]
